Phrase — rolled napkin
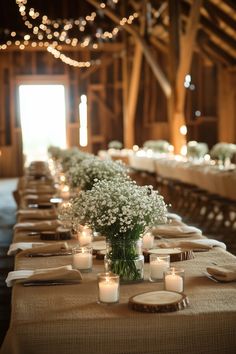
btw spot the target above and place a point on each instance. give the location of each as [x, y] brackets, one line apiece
[226, 272]
[174, 216]
[45, 250]
[21, 246]
[173, 231]
[47, 276]
[36, 214]
[204, 244]
[37, 226]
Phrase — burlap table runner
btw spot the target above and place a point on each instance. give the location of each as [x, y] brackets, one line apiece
[67, 319]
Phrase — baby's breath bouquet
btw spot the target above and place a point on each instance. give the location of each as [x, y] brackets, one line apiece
[161, 146]
[91, 170]
[122, 211]
[223, 151]
[115, 144]
[54, 152]
[196, 150]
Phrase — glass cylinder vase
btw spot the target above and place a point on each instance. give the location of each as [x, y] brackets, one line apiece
[124, 257]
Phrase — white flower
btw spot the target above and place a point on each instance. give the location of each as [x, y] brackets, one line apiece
[118, 208]
[92, 169]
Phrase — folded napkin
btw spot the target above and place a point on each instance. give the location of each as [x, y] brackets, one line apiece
[21, 246]
[36, 214]
[37, 226]
[42, 198]
[204, 244]
[39, 191]
[59, 248]
[226, 272]
[173, 231]
[60, 275]
[174, 216]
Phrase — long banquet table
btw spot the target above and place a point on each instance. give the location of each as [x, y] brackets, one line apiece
[67, 318]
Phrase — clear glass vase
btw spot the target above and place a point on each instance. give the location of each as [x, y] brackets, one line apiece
[125, 258]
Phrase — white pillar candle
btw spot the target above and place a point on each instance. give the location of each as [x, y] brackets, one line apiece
[108, 291]
[174, 282]
[82, 260]
[157, 268]
[148, 240]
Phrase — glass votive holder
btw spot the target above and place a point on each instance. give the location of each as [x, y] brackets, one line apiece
[108, 288]
[85, 236]
[158, 264]
[174, 279]
[82, 258]
[148, 240]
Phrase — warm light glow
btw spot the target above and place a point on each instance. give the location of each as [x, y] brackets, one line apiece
[42, 114]
[83, 130]
[183, 130]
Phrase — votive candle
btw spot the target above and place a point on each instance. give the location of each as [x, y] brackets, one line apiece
[174, 280]
[108, 288]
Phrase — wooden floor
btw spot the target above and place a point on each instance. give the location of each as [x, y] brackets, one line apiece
[7, 220]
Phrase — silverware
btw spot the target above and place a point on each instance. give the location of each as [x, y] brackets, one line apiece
[49, 283]
[49, 254]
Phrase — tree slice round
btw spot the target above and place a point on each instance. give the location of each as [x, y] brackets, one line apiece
[159, 301]
[176, 254]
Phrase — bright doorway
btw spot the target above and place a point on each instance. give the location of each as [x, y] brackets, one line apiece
[43, 119]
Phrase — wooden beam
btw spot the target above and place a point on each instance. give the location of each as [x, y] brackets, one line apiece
[231, 3]
[221, 54]
[157, 71]
[174, 38]
[228, 20]
[180, 67]
[210, 28]
[104, 105]
[129, 123]
[187, 48]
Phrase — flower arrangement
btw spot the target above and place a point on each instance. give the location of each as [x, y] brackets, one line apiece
[196, 150]
[222, 151]
[54, 152]
[122, 211]
[115, 144]
[92, 170]
[161, 146]
[73, 157]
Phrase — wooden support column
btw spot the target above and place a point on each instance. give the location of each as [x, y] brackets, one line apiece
[129, 122]
[180, 65]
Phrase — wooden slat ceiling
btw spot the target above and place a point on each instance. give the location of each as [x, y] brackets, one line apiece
[216, 33]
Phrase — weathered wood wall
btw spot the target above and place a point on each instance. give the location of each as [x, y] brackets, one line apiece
[214, 96]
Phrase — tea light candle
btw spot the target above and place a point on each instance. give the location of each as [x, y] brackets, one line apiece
[173, 281]
[65, 192]
[108, 287]
[82, 259]
[148, 241]
[157, 268]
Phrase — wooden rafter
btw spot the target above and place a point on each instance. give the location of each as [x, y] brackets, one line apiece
[160, 76]
[210, 28]
[220, 14]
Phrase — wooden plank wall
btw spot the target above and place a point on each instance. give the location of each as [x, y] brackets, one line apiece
[102, 84]
[213, 96]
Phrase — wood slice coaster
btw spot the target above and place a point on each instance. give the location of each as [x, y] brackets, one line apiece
[176, 254]
[158, 301]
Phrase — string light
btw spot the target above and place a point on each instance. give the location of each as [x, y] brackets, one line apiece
[54, 31]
